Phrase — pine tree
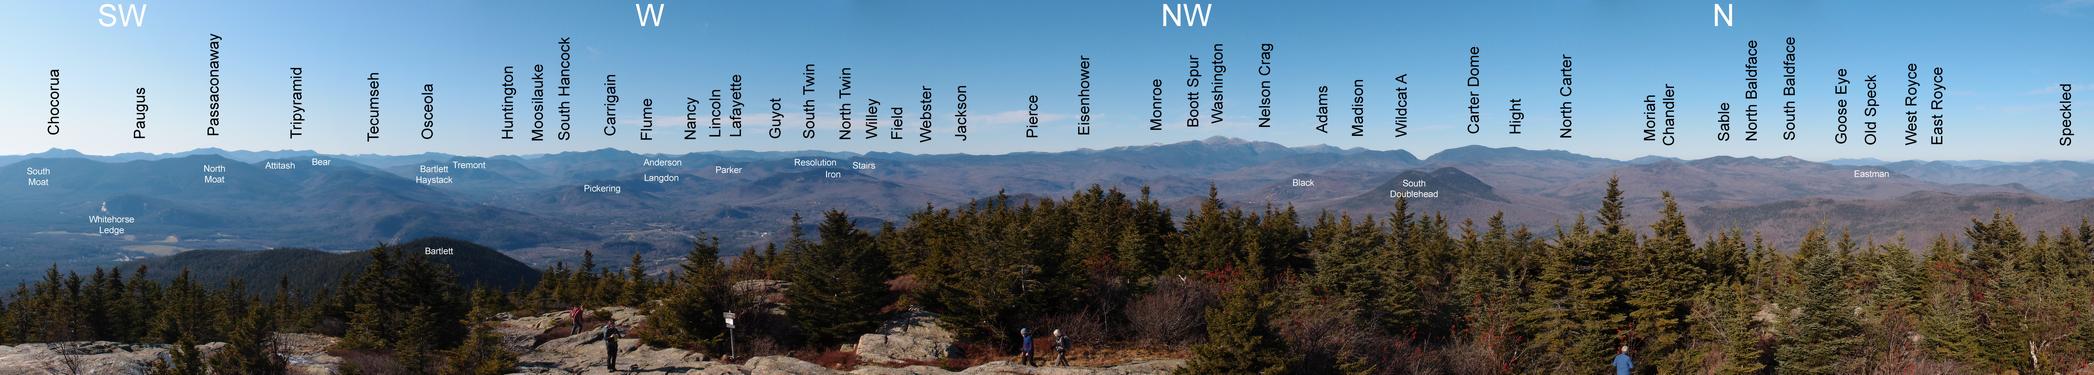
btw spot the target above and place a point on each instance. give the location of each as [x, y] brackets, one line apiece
[1400, 306]
[1613, 214]
[182, 359]
[838, 286]
[980, 276]
[1573, 306]
[1209, 238]
[1901, 283]
[6, 335]
[280, 304]
[416, 340]
[1999, 280]
[1661, 291]
[638, 290]
[1347, 268]
[1239, 338]
[690, 315]
[486, 303]
[183, 310]
[582, 288]
[142, 297]
[1743, 339]
[1825, 331]
[251, 348]
[1141, 244]
[482, 354]
[1949, 326]
[94, 306]
[1094, 240]
[368, 329]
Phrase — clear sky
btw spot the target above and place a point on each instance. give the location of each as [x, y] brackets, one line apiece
[2003, 61]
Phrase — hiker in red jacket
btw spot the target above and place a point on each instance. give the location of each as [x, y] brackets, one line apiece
[575, 314]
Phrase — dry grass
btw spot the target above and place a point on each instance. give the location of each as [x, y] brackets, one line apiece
[833, 359]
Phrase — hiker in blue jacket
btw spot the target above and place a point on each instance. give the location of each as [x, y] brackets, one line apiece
[1025, 349]
[1622, 364]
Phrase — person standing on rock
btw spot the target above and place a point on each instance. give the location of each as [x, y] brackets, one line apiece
[1025, 346]
[1061, 349]
[575, 314]
[610, 346]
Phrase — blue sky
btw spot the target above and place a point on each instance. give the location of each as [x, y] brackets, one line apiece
[2003, 62]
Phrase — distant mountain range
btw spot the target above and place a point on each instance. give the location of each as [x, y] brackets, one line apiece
[536, 208]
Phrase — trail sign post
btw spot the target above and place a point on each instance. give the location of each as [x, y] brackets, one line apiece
[729, 317]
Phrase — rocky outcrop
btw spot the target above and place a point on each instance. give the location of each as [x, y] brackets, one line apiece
[83, 357]
[585, 352]
[307, 353]
[912, 336]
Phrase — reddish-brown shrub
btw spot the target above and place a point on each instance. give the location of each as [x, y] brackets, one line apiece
[835, 359]
[1174, 313]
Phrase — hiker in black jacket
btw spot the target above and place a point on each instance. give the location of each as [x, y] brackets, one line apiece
[610, 345]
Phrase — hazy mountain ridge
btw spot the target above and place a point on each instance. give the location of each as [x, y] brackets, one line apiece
[309, 271]
[534, 207]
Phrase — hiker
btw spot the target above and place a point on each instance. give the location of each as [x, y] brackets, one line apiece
[1061, 349]
[1622, 364]
[610, 346]
[575, 314]
[1025, 349]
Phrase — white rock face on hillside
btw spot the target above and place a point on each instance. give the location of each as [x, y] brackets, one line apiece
[912, 336]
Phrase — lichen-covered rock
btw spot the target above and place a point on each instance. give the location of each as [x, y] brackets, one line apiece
[85, 357]
[912, 336]
[307, 353]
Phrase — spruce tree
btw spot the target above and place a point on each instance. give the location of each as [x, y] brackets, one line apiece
[980, 278]
[1742, 335]
[1141, 243]
[1571, 307]
[251, 347]
[183, 310]
[689, 317]
[1348, 270]
[482, 354]
[182, 359]
[368, 329]
[1400, 306]
[838, 285]
[417, 340]
[1825, 331]
[1999, 280]
[581, 288]
[1661, 291]
[142, 297]
[1949, 325]
[638, 289]
[1209, 239]
[1240, 339]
